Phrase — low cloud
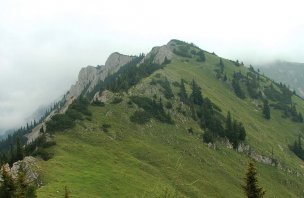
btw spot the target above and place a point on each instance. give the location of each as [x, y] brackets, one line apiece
[43, 44]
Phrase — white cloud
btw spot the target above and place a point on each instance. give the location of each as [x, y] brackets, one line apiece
[43, 44]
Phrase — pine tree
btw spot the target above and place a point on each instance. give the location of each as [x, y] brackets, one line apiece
[7, 188]
[19, 150]
[12, 155]
[183, 94]
[21, 183]
[266, 110]
[251, 188]
[196, 95]
[228, 127]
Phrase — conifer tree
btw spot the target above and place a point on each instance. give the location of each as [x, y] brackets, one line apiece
[183, 94]
[251, 187]
[266, 110]
[7, 188]
[19, 150]
[12, 155]
[228, 127]
[21, 183]
[196, 95]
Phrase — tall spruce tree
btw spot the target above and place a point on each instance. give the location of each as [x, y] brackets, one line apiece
[21, 182]
[182, 93]
[7, 188]
[19, 150]
[196, 95]
[228, 127]
[251, 187]
[266, 109]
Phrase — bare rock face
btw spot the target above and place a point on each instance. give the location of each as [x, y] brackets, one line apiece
[29, 166]
[159, 54]
[103, 96]
[89, 76]
[86, 75]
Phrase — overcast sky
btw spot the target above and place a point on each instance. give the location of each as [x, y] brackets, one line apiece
[43, 44]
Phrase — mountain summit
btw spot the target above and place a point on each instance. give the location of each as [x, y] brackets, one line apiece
[177, 122]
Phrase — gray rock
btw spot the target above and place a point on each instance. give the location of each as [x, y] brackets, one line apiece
[30, 167]
[89, 76]
[159, 54]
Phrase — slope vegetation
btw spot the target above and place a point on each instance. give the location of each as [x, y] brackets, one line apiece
[107, 154]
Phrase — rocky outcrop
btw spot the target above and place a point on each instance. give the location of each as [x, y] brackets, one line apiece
[159, 54]
[30, 168]
[103, 96]
[89, 76]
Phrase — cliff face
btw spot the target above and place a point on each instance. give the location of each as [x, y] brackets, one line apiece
[159, 54]
[89, 76]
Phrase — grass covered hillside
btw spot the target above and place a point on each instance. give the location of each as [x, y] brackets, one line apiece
[150, 138]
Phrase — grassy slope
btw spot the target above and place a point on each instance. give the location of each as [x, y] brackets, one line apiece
[155, 159]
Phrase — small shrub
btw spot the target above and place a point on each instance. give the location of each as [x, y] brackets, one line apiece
[169, 105]
[43, 154]
[105, 127]
[207, 137]
[116, 100]
[140, 117]
[98, 103]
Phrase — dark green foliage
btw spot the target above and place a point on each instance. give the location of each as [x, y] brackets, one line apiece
[237, 89]
[81, 105]
[76, 111]
[297, 148]
[196, 95]
[183, 50]
[140, 117]
[66, 192]
[252, 84]
[3, 159]
[73, 114]
[116, 100]
[167, 90]
[42, 153]
[30, 192]
[208, 137]
[289, 111]
[251, 187]
[127, 76]
[210, 119]
[7, 188]
[38, 146]
[21, 183]
[169, 105]
[282, 96]
[201, 56]
[182, 93]
[153, 108]
[105, 127]
[60, 122]
[19, 150]
[98, 103]
[220, 71]
[234, 131]
[237, 63]
[266, 109]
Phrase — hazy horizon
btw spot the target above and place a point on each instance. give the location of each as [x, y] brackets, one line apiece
[45, 43]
